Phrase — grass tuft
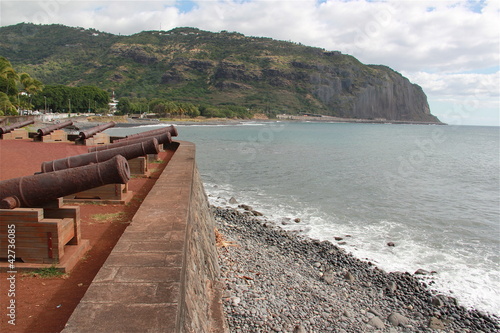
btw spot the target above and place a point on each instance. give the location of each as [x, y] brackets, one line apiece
[47, 273]
[103, 218]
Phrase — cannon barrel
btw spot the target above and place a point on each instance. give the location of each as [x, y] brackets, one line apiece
[39, 189]
[171, 129]
[151, 134]
[46, 130]
[7, 129]
[94, 130]
[129, 152]
[163, 138]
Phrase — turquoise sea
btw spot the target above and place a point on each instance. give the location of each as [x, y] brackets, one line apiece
[434, 191]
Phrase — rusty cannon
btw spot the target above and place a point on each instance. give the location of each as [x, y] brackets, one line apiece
[163, 138]
[171, 129]
[9, 128]
[94, 130]
[128, 152]
[47, 130]
[40, 189]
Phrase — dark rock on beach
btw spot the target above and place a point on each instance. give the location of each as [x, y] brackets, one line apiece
[245, 207]
[421, 271]
[280, 281]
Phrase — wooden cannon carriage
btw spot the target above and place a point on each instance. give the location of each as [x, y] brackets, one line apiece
[46, 231]
[53, 133]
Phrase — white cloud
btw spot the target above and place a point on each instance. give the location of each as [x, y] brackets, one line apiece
[471, 98]
[431, 41]
[462, 85]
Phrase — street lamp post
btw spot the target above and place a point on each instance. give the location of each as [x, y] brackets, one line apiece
[45, 97]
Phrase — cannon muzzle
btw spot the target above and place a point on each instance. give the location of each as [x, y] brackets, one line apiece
[7, 129]
[94, 130]
[163, 138]
[39, 189]
[128, 152]
[46, 130]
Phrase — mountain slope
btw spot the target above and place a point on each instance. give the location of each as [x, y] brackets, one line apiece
[187, 64]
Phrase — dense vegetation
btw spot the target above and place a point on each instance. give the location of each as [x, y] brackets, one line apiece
[221, 74]
[60, 98]
[22, 92]
[168, 108]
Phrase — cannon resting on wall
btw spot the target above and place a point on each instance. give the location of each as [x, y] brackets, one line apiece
[170, 129]
[162, 138]
[39, 189]
[128, 152]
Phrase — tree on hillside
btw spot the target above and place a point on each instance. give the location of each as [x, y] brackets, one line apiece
[124, 106]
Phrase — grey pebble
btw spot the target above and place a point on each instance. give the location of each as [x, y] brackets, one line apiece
[300, 285]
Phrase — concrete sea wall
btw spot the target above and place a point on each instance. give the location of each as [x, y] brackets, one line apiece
[162, 275]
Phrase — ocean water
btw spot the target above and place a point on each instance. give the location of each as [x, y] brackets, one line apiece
[434, 191]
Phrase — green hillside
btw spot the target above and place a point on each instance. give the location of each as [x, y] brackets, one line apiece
[205, 68]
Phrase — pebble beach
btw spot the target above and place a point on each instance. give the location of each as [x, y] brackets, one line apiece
[280, 281]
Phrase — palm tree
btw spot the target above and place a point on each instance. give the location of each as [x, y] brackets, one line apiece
[31, 86]
[8, 74]
[6, 106]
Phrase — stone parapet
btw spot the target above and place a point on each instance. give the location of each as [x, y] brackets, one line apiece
[162, 275]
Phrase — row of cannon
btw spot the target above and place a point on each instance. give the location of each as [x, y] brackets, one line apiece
[100, 166]
[86, 134]
[40, 132]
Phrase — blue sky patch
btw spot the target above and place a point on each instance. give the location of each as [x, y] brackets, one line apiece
[476, 5]
[185, 6]
[488, 70]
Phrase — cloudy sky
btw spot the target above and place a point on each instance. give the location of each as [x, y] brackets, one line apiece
[451, 48]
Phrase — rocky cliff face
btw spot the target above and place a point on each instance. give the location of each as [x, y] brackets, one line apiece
[191, 65]
[375, 93]
[383, 93]
[395, 97]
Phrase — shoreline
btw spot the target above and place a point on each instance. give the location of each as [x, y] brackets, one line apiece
[277, 280]
[84, 122]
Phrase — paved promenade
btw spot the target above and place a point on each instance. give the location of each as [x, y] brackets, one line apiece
[143, 285]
